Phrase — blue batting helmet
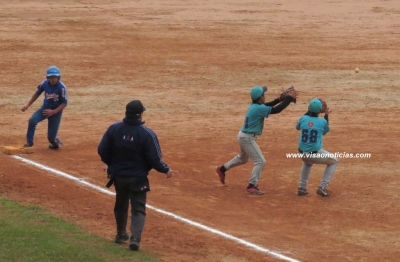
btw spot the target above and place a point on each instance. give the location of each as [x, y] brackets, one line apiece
[315, 105]
[53, 71]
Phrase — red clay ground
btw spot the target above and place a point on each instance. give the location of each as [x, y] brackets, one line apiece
[192, 64]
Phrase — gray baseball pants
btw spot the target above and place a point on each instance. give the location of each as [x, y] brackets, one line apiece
[325, 158]
[248, 149]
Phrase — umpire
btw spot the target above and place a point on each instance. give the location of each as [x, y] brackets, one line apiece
[130, 150]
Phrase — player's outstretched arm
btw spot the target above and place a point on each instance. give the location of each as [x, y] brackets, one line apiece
[280, 107]
[273, 102]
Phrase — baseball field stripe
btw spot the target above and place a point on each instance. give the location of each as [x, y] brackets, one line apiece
[182, 219]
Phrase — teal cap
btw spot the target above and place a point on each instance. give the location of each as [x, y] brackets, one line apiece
[257, 92]
[315, 105]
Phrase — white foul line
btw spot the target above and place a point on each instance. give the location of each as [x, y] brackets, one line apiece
[206, 228]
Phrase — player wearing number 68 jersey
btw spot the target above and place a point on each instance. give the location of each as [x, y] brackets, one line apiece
[312, 129]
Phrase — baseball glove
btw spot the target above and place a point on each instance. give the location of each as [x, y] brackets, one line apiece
[290, 91]
[324, 105]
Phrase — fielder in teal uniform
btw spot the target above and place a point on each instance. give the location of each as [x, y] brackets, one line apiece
[247, 136]
[312, 129]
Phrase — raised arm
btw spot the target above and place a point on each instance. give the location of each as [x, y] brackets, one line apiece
[273, 102]
[280, 107]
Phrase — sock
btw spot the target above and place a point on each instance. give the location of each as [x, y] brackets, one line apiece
[223, 169]
[250, 186]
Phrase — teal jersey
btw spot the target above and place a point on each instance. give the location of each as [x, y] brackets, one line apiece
[311, 131]
[254, 120]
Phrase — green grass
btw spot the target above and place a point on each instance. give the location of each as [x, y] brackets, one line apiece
[27, 233]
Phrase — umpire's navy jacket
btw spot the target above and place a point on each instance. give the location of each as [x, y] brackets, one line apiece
[131, 149]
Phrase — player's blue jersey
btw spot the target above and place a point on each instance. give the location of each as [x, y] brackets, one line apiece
[53, 95]
[311, 131]
[254, 120]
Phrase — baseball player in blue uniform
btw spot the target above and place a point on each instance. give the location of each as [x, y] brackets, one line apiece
[312, 129]
[247, 136]
[55, 100]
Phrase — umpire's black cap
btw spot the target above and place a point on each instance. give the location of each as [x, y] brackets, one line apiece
[134, 109]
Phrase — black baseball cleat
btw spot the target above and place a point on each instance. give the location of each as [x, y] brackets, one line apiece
[121, 238]
[55, 144]
[302, 191]
[28, 145]
[134, 244]
[323, 192]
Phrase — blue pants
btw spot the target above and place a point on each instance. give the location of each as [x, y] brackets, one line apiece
[52, 129]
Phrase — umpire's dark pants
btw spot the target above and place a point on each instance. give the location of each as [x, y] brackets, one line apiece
[128, 188]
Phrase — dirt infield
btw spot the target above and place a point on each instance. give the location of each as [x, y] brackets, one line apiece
[192, 64]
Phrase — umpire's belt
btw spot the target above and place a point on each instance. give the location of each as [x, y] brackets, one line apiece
[313, 152]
